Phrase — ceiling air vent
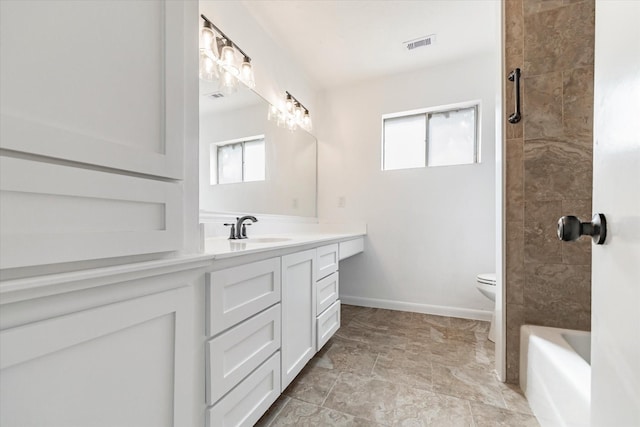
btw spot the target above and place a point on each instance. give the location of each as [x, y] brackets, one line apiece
[420, 42]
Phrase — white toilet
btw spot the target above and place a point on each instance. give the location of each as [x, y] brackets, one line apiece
[486, 284]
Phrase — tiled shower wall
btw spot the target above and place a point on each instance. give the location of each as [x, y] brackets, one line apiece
[548, 165]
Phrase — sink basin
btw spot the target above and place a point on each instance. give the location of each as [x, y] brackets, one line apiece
[265, 240]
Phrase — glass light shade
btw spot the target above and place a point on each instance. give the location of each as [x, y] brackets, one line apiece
[291, 123]
[273, 113]
[289, 103]
[228, 82]
[306, 121]
[246, 73]
[208, 69]
[228, 58]
[298, 112]
[207, 38]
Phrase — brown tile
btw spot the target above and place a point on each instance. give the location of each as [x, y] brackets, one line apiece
[514, 180]
[514, 37]
[348, 313]
[515, 230]
[578, 252]
[542, 106]
[490, 416]
[452, 352]
[431, 327]
[376, 335]
[344, 355]
[514, 320]
[416, 407]
[272, 413]
[312, 384]
[485, 352]
[404, 367]
[542, 41]
[302, 414]
[467, 382]
[541, 242]
[514, 250]
[364, 397]
[559, 38]
[557, 170]
[460, 324]
[378, 318]
[558, 295]
[515, 399]
[577, 25]
[537, 6]
[577, 105]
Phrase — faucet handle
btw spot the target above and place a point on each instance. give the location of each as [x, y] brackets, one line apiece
[243, 235]
[232, 235]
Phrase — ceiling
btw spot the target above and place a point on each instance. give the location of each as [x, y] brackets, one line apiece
[339, 42]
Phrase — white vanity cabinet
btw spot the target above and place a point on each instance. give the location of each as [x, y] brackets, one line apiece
[299, 313]
[243, 318]
[265, 320]
[327, 320]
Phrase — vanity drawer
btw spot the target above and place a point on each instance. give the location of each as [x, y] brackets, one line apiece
[237, 293]
[327, 260]
[246, 403]
[234, 354]
[328, 323]
[326, 292]
[351, 247]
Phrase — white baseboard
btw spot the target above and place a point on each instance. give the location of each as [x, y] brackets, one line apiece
[439, 310]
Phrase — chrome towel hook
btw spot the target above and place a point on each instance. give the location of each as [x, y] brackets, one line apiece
[514, 76]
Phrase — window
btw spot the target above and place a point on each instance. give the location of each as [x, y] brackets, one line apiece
[441, 137]
[238, 161]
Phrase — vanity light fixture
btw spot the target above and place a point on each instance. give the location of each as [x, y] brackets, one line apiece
[291, 114]
[223, 60]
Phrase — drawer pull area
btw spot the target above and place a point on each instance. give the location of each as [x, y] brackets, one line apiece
[328, 323]
[234, 354]
[237, 293]
[246, 403]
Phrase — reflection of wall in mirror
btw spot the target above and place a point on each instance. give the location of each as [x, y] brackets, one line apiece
[290, 184]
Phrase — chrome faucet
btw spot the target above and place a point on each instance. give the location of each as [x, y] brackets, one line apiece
[241, 227]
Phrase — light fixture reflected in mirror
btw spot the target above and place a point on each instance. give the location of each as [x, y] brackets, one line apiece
[290, 114]
[227, 65]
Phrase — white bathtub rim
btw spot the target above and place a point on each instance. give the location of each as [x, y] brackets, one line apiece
[563, 369]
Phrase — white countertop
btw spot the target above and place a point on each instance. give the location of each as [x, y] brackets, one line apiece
[221, 247]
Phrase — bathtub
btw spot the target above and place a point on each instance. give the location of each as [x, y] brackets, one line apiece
[555, 375]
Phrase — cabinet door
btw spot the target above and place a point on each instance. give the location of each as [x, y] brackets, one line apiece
[96, 82]
[122, 364]
[298, 313]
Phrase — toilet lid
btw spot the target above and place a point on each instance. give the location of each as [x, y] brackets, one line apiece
[488, 278]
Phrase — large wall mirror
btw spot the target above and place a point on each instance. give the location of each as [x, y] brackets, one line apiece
[247, 163]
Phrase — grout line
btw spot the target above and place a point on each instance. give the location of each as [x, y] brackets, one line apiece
[330, 389]
[374, 365]
[473, 417]
[277, 414]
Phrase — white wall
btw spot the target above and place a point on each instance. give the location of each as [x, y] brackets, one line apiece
[430, 230]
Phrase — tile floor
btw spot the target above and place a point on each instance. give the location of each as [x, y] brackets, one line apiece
[393, 368]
